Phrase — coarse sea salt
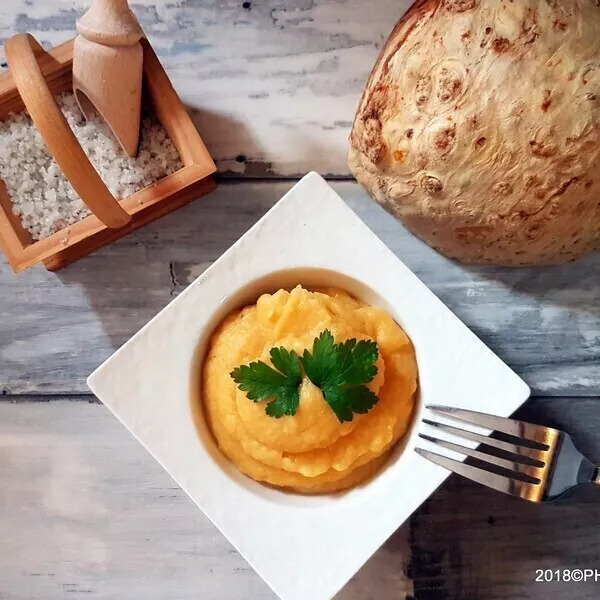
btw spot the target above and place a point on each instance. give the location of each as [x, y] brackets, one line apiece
[43, 197]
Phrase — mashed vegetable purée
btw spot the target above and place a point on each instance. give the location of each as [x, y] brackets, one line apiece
[311, 451]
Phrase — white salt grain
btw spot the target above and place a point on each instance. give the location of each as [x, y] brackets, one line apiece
[43, 197]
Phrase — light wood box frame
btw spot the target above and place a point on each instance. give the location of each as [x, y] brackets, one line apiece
[146, 205]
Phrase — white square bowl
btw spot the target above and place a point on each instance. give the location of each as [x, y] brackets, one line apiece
[303, 547]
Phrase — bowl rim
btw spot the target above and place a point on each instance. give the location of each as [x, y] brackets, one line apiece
[309, 278]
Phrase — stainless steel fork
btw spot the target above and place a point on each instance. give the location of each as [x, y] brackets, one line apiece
[529, 461]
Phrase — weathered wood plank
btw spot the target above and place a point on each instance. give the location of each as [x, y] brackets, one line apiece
[85, 512]
[56, 328]
[273, 86]
[471, 542]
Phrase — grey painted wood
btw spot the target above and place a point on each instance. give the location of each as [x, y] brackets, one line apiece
[85, 512]
[271, 83]
[472, 543]
[56, 328]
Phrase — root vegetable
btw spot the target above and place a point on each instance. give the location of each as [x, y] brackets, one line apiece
[480, 128]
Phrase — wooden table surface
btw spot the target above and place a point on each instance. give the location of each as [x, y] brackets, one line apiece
[86, 513]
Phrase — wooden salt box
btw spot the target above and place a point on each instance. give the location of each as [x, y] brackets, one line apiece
[34, 77]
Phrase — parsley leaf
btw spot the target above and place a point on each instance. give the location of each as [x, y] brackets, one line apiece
[341, 371]
[262, 382]
[344, 401]
[318, 364]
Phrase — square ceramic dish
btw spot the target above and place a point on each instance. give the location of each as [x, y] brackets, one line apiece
[304, 547]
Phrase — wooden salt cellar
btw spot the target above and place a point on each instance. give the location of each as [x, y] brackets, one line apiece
[35, 76]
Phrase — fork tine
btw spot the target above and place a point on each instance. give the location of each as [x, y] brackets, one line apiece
[531, 453]
[488, 458]
[528, 431]
[514, 487]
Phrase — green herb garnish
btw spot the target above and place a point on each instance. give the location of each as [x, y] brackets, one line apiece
[262, 382]
[339, 370]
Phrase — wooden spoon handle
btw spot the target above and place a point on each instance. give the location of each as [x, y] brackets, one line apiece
[110, 22]
[21, 51]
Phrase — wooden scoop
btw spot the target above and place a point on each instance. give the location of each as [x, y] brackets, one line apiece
[107, 69]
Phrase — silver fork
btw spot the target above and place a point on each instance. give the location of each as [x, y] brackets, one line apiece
[529, 461]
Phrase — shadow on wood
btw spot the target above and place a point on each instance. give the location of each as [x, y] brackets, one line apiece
[573, 285]
[223, 128]
[384, 576]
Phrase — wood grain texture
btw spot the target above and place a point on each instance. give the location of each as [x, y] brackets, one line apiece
[273, 85]
[56, 328]
[86, 512]
[472, 543]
